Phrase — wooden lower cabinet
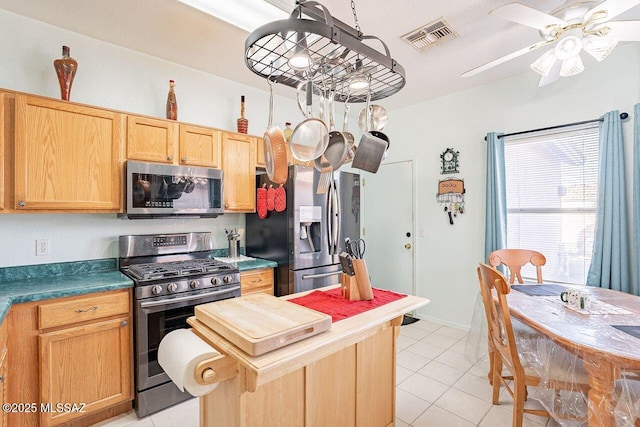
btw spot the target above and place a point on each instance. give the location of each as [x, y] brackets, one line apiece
[254, 281]
[353, 387]
[78, 373]
[3, 372]
[82, 368]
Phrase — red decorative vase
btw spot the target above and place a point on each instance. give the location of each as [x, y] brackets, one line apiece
[172, 104]
[66, 70]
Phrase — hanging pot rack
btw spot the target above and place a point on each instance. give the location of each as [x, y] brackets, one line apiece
[336, 49]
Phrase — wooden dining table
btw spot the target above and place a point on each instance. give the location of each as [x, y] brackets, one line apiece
[605, 350]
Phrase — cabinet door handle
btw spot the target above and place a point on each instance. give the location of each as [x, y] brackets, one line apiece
[22, 204]
[82, 310]
[169, 157]
[2, 378]
[124, 323]
[256, 280]
[183, 160]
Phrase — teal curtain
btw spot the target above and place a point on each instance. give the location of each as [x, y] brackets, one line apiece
[635, 283]
[495, 233]
[610, 261]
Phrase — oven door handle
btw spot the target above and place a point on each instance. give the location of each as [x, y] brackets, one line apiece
[147, 304]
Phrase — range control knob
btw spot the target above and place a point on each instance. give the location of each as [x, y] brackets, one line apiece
[172, 287]
[194, 284]
[227, 279]
[215, 281]
[156, 290]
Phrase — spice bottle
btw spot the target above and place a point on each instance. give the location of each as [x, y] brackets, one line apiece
[287, 131]
[172, 104]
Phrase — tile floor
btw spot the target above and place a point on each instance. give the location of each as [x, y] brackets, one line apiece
[436, 387]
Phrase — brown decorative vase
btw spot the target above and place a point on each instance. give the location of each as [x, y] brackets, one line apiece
[66, 70]
[172, 104]
[243, 124]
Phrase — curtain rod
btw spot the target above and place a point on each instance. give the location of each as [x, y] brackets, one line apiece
[622, 117]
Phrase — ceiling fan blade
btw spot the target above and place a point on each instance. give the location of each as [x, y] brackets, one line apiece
[612, 7]
[521, 14]
[553, 76]
[624, 30]
[505, 58]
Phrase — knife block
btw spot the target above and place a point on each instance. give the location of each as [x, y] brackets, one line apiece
[362, 277]
[350, 287]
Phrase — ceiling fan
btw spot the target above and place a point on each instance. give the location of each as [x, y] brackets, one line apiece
[574, 27]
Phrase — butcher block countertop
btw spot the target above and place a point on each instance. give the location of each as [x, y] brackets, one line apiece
[266, 367]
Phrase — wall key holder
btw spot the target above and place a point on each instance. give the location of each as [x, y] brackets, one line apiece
[451, 196]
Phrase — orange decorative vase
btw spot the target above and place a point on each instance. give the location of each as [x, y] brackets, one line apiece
[66, 70]
[243, 124]
[172, 104]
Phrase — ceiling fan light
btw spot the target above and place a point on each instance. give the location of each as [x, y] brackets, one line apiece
[571, 66]
[545, 63]
[599, 47]
[568, 47]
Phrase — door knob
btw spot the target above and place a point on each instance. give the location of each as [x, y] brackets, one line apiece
[407, 246]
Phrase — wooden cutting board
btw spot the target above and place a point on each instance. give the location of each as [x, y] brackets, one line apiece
[259, 323]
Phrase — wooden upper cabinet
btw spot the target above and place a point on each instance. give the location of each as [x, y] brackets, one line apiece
[150, 139]
[67, 156]
[239, 166]
[260, 162]
[199, 146]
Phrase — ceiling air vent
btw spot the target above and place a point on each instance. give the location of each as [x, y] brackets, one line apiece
[430, 34]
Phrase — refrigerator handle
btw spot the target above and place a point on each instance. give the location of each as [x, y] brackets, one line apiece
[329, 221]
[337, 217]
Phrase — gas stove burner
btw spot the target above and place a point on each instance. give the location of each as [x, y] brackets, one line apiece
[164, 270]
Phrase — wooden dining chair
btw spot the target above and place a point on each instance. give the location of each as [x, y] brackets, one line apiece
[515, 259]
[502, 343]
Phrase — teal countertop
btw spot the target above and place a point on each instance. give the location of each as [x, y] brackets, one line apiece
[45, 281]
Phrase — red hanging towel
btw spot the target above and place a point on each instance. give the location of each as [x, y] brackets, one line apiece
[261, 202]
[280, 199]
[271, 194]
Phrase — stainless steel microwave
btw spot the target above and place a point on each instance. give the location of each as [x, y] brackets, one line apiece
[155, 190]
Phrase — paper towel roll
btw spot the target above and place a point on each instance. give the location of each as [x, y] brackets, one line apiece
[179, 353]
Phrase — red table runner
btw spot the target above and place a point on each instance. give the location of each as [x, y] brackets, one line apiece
[332, 302]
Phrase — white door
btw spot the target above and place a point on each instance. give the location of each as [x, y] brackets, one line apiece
[389, 227]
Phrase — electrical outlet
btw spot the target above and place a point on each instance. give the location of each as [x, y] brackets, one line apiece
[42, 247]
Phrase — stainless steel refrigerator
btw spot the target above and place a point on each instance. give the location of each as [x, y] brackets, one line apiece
[307, 237]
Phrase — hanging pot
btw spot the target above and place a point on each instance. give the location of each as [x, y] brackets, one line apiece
[377, 118]
[338, 147]
[275, 154]
[190, 186]
[372, 148]
[159, 188]
[311, 137]
[351, 140]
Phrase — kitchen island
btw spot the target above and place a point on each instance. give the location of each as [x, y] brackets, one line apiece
[342, 377]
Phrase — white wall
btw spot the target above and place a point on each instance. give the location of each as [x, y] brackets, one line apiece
[113, 77]
[447, 256]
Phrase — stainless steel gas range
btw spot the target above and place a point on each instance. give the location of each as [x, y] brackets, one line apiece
[172, 273]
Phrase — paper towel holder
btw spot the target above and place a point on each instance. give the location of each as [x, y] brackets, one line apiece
[216, 369]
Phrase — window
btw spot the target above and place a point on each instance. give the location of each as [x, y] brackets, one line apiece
[552, 186]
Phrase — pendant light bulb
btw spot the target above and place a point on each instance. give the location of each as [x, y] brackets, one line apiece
[359, 82]
[300, 59]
